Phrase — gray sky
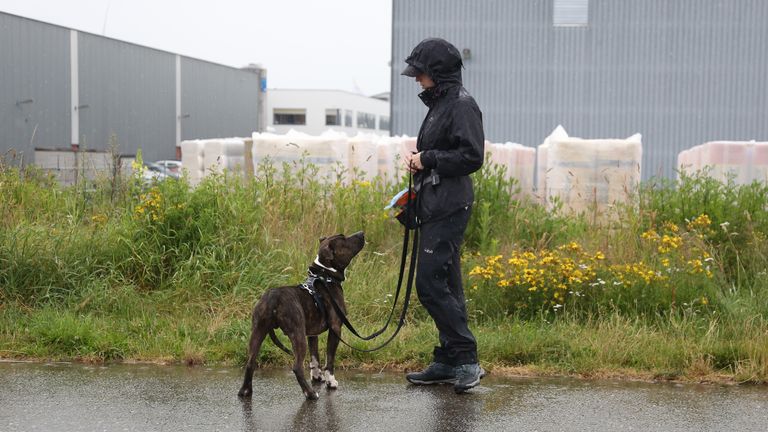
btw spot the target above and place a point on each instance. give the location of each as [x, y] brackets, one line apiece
[328, 44]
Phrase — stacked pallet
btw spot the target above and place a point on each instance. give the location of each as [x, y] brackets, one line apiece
[589, 175]
[740, 161]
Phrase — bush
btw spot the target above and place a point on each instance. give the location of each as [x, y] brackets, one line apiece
[694, 244]
[739, 221]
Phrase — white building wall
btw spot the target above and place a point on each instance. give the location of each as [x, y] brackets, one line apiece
[316, 102]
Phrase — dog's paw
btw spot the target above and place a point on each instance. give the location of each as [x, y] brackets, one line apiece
[314, 371]
[317, 375]
[312, 395]
[330, 380]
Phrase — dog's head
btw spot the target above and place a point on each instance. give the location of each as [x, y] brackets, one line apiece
[336, 252]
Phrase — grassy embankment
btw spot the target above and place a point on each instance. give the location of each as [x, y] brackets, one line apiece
[110, 270]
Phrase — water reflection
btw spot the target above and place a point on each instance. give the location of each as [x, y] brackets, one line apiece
[450, 412]
[305, 418]
[248, 423]
[139, 398]
[291, 415]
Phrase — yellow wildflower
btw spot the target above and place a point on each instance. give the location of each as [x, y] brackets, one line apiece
[701, 221]
[696, 266]
[650, 235]
[572, 246]
[99, 219]
[518, 262]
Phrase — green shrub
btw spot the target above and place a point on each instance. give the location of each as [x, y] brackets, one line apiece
[177, 269]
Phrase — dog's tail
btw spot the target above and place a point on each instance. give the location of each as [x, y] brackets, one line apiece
[277, 342]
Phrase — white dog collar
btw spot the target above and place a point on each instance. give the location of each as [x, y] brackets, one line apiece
[317, 262]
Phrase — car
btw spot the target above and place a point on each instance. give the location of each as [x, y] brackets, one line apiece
[168, 168]
[172, 166]
[153, 172]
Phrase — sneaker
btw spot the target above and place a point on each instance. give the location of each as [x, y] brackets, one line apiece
[467, 376]
[435, 373]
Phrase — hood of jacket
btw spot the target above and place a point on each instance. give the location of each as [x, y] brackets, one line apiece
[439, 59]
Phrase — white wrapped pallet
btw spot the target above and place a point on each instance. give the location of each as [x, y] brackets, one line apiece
[210, 158]
[275, 149]
[541, 172]
[688, 160]
[743, 161]
[224, 154]
[233, 154]
[391, 151]
[524, 163]
[363, 156]
[518, 162]
[389, 161]
[407, 146]
[192, 160]
[328, 152]
[501, 155]
[493, 154]
[593, 175]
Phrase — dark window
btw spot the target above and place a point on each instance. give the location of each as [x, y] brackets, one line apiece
[366, 121]
[289, 116]
[384, 122]
[332, 117]
[347, 118]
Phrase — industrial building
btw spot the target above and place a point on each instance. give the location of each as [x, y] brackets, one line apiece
[679, 72]
[65, 92]
[314, 111]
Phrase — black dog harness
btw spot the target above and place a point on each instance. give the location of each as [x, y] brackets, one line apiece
[309, 286]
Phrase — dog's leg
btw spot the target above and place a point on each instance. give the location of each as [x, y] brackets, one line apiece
[299, 342]
[333, 343]
[314, 360]
[254, 346]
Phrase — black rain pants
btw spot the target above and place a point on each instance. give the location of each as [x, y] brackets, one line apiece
[439, 287]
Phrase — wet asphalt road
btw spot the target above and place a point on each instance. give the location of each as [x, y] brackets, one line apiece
[75, 397]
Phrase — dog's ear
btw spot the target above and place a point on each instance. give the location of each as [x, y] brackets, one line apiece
[326, 254]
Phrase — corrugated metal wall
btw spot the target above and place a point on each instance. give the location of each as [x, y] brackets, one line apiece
[34, 87]
[218, 101]
[680, 72]
[127, 91]
[124, 90]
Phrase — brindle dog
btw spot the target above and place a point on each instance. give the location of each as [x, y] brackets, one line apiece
[293, 310]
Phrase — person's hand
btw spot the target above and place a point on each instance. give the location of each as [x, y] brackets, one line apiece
[412, 162]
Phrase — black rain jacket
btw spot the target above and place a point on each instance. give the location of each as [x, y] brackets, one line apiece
[451, 137]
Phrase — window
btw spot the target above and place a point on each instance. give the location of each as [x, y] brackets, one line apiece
[384, 122]
[289, 116]
[348, 118]
[570, 13]
[333, 117]
[366, 121]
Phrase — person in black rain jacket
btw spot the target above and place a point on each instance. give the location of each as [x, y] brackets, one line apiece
[450, 146]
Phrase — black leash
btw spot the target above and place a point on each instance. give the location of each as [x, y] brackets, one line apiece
[403, 257]
[345, 321]
[409, 286]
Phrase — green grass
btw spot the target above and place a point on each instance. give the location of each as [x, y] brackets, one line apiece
[113, 270]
